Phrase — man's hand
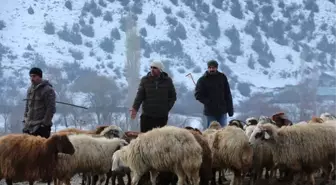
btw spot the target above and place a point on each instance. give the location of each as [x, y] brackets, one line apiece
[133, 113]
[230, 114]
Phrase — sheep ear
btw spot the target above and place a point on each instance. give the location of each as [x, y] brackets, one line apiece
[267, 136]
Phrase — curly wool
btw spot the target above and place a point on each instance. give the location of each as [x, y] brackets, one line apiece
[164, 149]
[25, 157]
[316, 140]
[93, 154]
[231, 149]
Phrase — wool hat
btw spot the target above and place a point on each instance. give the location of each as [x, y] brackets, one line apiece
[157, 64]
[213, 63]
[36, 71]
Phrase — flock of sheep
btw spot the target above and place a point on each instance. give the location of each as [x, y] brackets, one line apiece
[263, 148]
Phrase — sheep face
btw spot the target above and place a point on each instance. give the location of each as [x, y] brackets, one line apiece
[261, 133]
[249, 130]
[215, 125]
[251, 121]
[62, 144]
[194, 129]
[112, 132]
[236, 123]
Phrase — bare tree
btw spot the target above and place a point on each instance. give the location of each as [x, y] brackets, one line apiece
[101, 92]
[132, 65]
[256, 106]
[307, 90]
[61, 87]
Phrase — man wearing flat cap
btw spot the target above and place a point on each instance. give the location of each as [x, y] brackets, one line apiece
[213, 91]
[40, 105]
[156, 93]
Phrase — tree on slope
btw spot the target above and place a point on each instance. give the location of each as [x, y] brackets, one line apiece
[132, 64]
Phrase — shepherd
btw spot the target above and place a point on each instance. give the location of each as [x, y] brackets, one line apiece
[213, 91]
[40, 105]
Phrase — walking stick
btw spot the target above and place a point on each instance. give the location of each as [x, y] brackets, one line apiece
[64, 103]
[190, 75]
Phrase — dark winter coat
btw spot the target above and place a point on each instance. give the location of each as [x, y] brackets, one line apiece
[213, 91]
[156, 94]
[40, 105]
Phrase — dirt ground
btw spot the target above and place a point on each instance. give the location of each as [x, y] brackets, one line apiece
[77, 181]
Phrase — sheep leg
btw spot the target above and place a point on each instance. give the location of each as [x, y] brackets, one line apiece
[253, 177]
[237, 179]
[311, 179]
[224, 178]
[120, 179]
[193, 177]
[213, 179]
[136, 178]
[108, 176]
[328, 172]
[220, 177]
[83, 179]
[181, 177]
[113, 178]
[9, 182]
[101, 179]
[153, 176]
[67, 182]
[94, 179]
[128, 178]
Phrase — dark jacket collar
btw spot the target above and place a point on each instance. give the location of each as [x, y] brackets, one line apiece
[163, 75]
[207, 74]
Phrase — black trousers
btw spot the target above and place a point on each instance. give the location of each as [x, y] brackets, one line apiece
[43, 132]
[147, 123]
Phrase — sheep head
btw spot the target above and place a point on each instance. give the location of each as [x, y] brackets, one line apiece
[193, 129]
[112, 131]
[61, 144]
[327, 116]
[236, 123]
[215, 125]
[316, 120]
[263, 132]
[251, 121]
[100, 128]
[281, 119]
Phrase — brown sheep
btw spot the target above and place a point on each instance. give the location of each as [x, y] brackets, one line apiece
[30, 158]
[316, 120]
[281, 119]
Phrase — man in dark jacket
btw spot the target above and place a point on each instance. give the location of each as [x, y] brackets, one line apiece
[157, 95]
[213, 91]
[40, 105]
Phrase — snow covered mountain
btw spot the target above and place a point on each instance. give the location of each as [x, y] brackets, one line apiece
[259, 44]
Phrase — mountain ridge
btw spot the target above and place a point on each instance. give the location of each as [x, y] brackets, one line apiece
[259, 45]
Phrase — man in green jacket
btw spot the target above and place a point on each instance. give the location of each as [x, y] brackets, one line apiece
[156, 93]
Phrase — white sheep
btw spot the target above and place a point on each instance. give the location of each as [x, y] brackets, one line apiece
[162, 149]
[92, 155]
[231, 150]
[302, 148]
[327, 116]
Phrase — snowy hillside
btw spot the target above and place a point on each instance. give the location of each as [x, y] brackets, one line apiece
[260, 43]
